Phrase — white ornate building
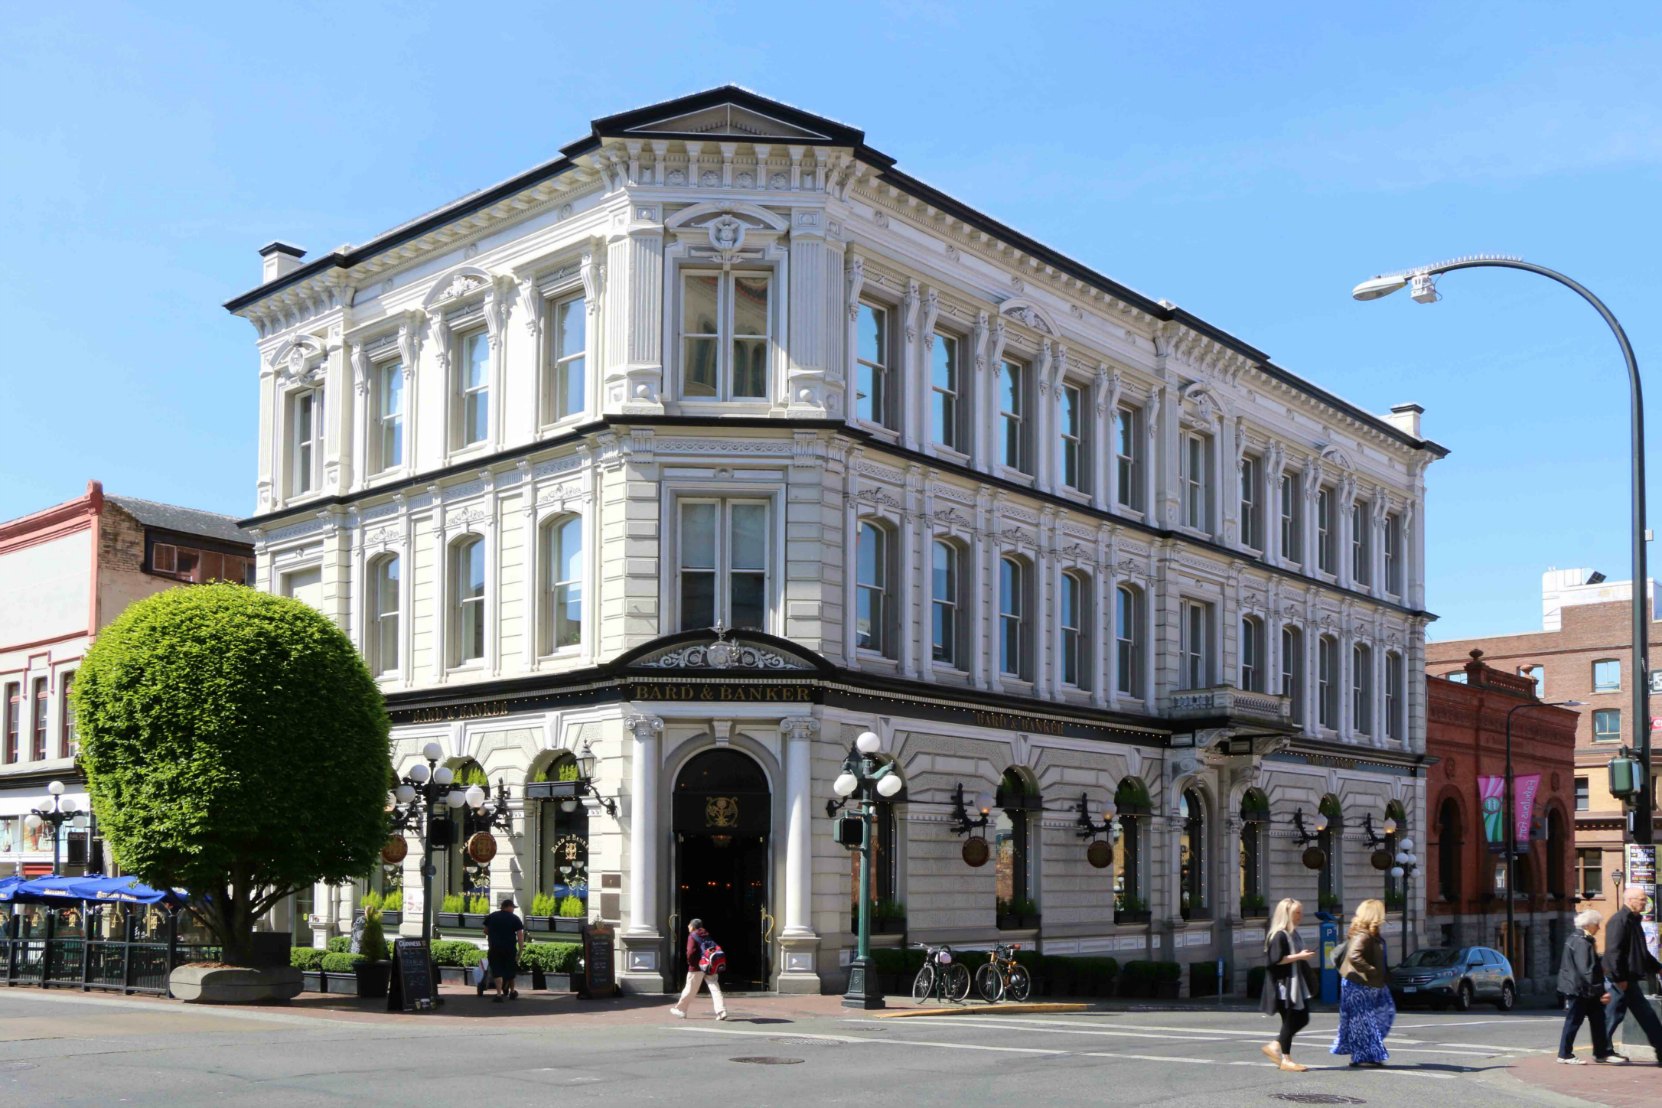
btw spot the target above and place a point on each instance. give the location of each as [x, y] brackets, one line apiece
[718, 439]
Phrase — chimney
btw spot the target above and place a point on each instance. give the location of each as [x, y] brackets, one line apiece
[1406, 418]
[279, 259]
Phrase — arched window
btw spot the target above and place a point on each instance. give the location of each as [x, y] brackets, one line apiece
[1292, 671]
[467, 600]
[1075, 616]
[1128, 638]
[1330, 886]
[1556, 865]
[872, 593]
[1192, 859]
[381, 637]
[1255, 818]
[563, 824]
[944, 604]
[1013, 628]
[1327, 682]
[1448, 850]
[1361, 688]
[1131, 803]
[1012, 816]
[1252, 654]
[562, 597]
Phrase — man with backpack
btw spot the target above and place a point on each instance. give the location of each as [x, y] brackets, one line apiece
[705, 961]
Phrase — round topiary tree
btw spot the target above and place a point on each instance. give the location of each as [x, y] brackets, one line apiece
[235, 746]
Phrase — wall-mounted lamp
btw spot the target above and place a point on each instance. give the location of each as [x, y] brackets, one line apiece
[962, 822]
[1305, 835]
[1089, 828]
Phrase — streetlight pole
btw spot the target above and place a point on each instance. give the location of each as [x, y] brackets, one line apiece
[62, 811]
[416, 799]
[1640, 818]
[863, 775]
[1510, 841]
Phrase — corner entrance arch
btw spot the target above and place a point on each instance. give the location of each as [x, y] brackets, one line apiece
[723, 811]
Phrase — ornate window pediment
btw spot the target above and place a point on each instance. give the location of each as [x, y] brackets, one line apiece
[1030, 315]
[724, 651]
[726, 232]
[300, 361]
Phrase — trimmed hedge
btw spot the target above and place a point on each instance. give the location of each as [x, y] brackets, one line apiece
[456, 952]
[551, 957]
[1255, 982]
[1079, 976]
[308, 958]
[341, 963]
[339, 944]
[1142, 978]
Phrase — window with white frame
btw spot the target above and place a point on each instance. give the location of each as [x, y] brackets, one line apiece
[565, 376]
[1074, 616]
[1194, 645]
[1252, 502]
[1075, 455]
[1013, 634]
[305, 441]
[944, 603]
[386, 433]
[874, 366]
[1393, 553]
[1292, 671]
[1327, 533]
[723, 551]
[726, 334]
[467, 600]
[1292, 518]
[1361, 688]
[1252, 654]
[381, 640]
[1327, 682]
[1128, 456]
[1128, 639]
[1396, 701]
[946, 416]
[562, 593]
[872, 591]
[1193, 465]
[69, 737]
[1014, 448]
[1607, 675]
[1361, 543]
[472, 393]
[1607, 725]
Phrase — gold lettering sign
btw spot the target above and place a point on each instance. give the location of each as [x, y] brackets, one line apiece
[749, 694]
[487, 709]
[721, 811]
[1005, 721]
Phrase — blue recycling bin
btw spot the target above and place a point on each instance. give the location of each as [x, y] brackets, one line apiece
[1329, 975]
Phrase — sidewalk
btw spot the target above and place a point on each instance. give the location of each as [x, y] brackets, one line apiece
[1631, 1086]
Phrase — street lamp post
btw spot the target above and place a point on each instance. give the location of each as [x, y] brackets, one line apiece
[63, 810]
[1510, 841]
[1406, 862]
[864, 778]
[1423, 280]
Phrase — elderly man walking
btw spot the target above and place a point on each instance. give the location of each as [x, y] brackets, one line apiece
[1627, 962]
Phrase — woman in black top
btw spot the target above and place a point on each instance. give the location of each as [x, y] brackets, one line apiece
[1287, 981]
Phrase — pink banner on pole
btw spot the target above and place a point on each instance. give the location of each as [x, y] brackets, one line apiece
[1524, 789]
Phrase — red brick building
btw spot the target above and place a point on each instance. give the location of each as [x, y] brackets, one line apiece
[1466, 883]
[1583, 652]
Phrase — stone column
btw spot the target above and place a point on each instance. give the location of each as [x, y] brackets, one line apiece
[633, 318]
[642, 968]
[799, 945]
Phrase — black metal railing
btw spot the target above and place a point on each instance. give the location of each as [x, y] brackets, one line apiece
[129, 950]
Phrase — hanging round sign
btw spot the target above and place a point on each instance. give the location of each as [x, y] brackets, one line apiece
[1314, 858]
[1099, 854]
[481, 847]
[976, 851]
[394, 850]
[1381, 860]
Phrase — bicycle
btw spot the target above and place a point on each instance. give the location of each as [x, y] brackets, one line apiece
[940, 975]
[1002, 975]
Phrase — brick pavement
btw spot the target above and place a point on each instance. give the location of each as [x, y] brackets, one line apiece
[1631, 1086]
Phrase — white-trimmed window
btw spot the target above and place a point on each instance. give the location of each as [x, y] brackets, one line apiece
[566, 376]
[1393, 553]
[305, 441]
[1128, 456]
[726, 334]
[946, 401]
[1292, 670]
[874, 366]
[944, 602]
[1015, 449]
[1194, 645]
[1327, 533]
[1361, 543]
[1292, 518]
[1607, 675]
[381, 639]
[1607, 725]
[1361, 688]
[467, 600]
[1128, 639]
[1013, 632]
[472, 394]
[872, 591]
[1074, 616]
[562, 597]
[1252, 502]
[1193, 468]
[1252, 654]
[1396, 701]
[1327, 682]
[386, 434]
[1075, 456]
[723, 550]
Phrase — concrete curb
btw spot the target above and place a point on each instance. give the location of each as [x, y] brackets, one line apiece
[985, 1010]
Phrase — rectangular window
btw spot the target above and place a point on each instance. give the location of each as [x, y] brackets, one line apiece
[1252, 502]
[37, 748]
[1326, 533]
[1607, 725]
[1128, 456]
[305, 441]
[1012, 618]
[563, 395]
[1607, 676]
[726, 333]
[1583, 800]
[945, 394]
[871, 588]
[873, 363]
[1361, 689]
[1012, 415]
[723, 552]
[1128, 637]
[473, 392]
[1075, 456]
[1393, 554]
[467, 605]
[943, 589]
[1194, 651]
[1292, 519]
[1361, 544]
[386, 435]
[69, 739]
[563, 599]
[382, 639]
[1292, 670]
[1327, 683]
[1396, 706]
[1589, 866]
[1192, 471]
[1252, 655]
[14, 711]
[1075, 610]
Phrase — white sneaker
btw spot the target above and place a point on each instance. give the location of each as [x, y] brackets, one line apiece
[677, 1013]
[1572, 1060]
[721, 1015]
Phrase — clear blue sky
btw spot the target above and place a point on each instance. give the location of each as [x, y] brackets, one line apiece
[1249, 162]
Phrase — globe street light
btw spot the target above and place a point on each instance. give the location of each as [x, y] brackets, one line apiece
[63, 810]
[863, 776]
[1406, 863]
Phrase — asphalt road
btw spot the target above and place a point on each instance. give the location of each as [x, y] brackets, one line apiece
[63, 1049]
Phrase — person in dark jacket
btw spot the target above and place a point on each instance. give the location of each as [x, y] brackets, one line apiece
[1627, 962]
[1289, 982]
[1581, 983]
[698, 941]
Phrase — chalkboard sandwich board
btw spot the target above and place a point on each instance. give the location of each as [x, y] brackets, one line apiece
[599, 967]
[412, 977]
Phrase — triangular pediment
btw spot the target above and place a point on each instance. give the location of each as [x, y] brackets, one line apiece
[730, 120]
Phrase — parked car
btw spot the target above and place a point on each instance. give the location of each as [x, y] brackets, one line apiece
[1458, 975]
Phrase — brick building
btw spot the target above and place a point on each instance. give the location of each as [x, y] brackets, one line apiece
[1466, 882]
[65, 573]
[1583, 652]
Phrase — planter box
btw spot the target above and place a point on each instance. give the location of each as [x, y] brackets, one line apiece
[539, 923]
[556, 790]
[447, 919]
[1010, 921]
[569, 925]
[373, 979]
[453, 975]
[1255, 913]
[345, 984]
[392, 919]
[555, 982]
[1132, 915]
[1166, 990]
[888, 926]
[471, 920]
[311, 980]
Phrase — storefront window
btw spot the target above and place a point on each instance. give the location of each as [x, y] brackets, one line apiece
[563, 865]
[1192, 856]
[1330, 891]
[1010, 833]
[1255, 815]
[1131, 802]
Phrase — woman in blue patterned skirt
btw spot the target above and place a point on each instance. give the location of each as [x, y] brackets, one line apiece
[1366, 1010]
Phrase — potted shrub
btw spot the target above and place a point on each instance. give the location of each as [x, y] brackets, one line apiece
[1137, 979]
[375, 971]
[552, 965]
[1130, 908]
[888, 917]
[1254, 906]
[1027, 912]
[475, 911]
[450, 911]
[454, 957]
[571, 916]
[340, 972]
[392, 908]
[541, 915]
[309, 961]
[1168, 977]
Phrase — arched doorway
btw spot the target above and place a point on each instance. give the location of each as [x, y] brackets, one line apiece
[722, 815]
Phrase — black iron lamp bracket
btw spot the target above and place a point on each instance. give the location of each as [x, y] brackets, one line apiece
[1087, 828]
[962, 822]
[1305, 835]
